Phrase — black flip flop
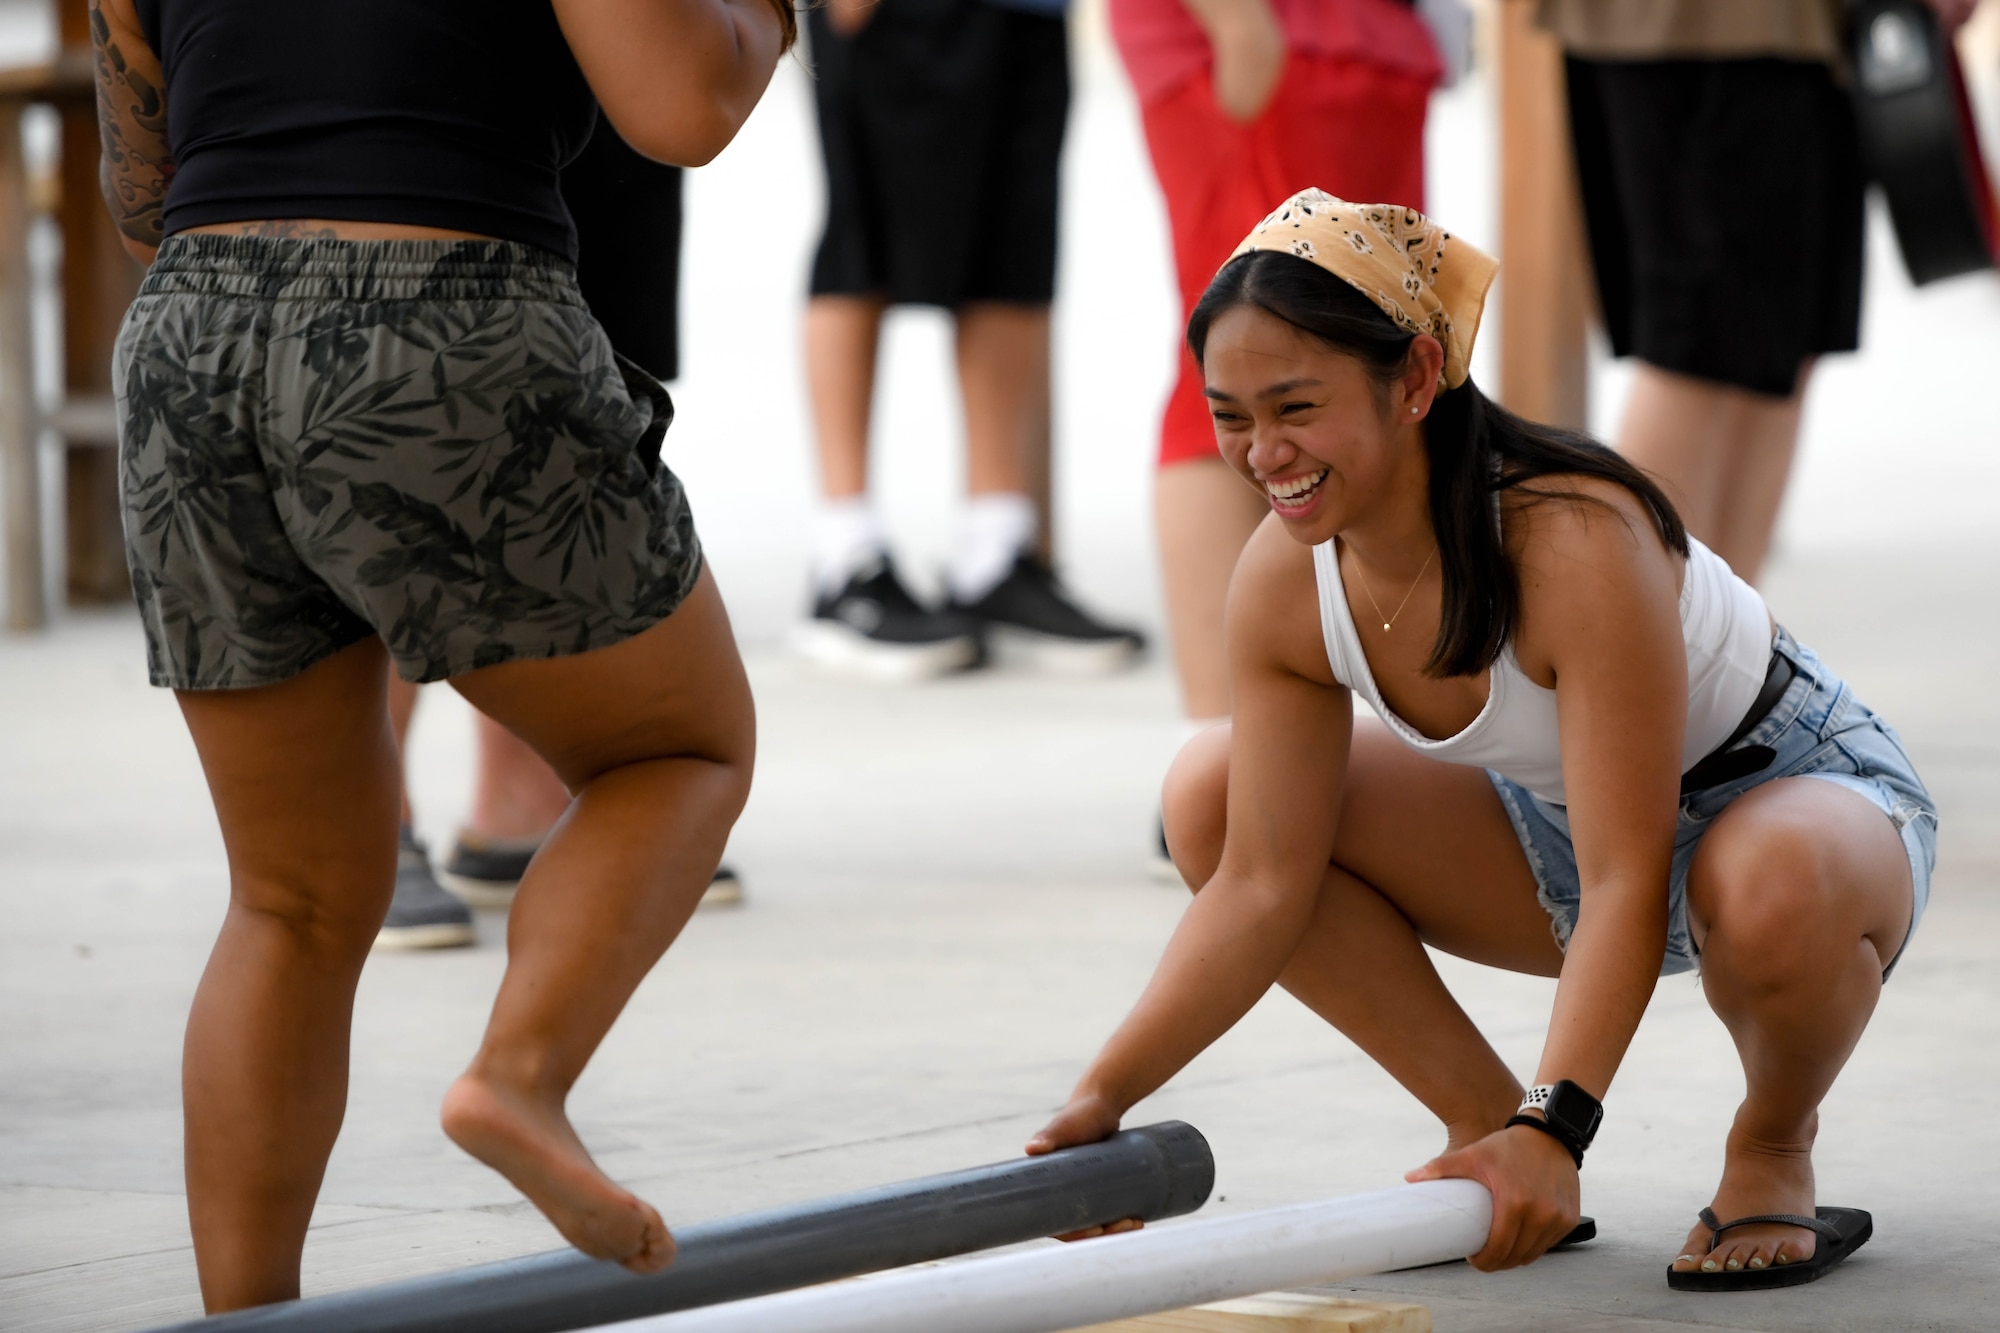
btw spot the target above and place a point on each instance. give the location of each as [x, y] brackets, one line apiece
[1841, 1232]
[1585, 1229]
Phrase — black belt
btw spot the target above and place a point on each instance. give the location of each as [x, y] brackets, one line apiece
[1725, 764]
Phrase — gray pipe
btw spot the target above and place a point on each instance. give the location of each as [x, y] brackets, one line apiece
[1155, 1172]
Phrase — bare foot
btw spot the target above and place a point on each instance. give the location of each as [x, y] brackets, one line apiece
[1756, 1178]
[531, 1143]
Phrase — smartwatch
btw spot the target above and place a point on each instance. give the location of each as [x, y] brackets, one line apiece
[1569, 1115]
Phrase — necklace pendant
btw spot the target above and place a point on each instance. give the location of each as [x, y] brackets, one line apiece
[1385, 627]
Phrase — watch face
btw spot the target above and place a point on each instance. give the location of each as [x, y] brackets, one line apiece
[1575, 1110]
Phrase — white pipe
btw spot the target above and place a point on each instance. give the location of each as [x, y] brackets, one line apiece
[1123, 1276]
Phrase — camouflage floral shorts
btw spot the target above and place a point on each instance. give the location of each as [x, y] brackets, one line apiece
[427, 441]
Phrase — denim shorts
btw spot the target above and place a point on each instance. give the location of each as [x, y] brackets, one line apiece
[430, 442]
[1819, 730]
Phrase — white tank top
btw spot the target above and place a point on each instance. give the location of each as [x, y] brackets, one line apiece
[1723, 621]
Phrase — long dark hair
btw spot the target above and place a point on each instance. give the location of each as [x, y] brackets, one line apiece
[1477, 449]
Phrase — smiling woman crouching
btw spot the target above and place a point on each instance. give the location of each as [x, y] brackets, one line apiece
[1597, 758]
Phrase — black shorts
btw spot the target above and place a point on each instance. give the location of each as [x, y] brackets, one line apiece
[941, 123]
[627, 210]
[1724, 202]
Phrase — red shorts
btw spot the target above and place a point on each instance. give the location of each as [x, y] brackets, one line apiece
[1351, 128]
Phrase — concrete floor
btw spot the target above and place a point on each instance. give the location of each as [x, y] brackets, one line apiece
[948, 910]
[948, 907]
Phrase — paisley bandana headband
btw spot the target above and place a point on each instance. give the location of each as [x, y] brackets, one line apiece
[1423, 277]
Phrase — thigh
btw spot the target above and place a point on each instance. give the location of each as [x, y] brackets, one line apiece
[306, 785]
[676, 690]
[1823, 859]
[1434, 839]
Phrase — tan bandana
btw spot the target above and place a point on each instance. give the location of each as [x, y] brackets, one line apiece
[1397, 258]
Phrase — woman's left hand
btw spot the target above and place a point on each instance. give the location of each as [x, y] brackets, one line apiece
[1536, 1197]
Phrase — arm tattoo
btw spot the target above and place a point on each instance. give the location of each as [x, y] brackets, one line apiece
[136, 165]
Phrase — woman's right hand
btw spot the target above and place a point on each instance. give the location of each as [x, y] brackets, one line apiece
[1250, 54]
[1087, 1119]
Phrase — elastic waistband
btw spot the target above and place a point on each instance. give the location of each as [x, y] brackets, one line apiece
[270, 268]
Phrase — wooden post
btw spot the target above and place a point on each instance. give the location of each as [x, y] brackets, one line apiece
[98, 282]
[20, 426]
[1546, 290]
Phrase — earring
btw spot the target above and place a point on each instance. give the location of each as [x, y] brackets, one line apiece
[1413, 411]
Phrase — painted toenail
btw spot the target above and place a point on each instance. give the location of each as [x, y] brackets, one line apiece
[1784, 1258]
[1733, 1265]
[1708, 1265]
[1685, 1259]
[1758, 1262]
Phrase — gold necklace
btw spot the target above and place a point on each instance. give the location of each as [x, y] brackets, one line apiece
[1390, 622]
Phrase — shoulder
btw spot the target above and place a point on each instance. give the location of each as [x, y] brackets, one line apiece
[1561, 526]
[1590, 560]
[1274, 616]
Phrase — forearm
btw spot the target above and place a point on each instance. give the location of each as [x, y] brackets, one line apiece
[134, 164]
[1608, 975]
[677, 78]
[1227, 952]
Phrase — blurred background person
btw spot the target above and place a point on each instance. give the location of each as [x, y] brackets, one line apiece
[1697, 124]
[1245, 102]
[627, 211]
[941, 125]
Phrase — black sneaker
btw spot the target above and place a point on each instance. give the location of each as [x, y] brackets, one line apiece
[1029, 617]
[874, 629]
[1160, 865]
[485, 872]
[422, 915]
[725, 889]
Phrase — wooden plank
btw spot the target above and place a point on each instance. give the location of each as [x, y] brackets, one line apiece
[1281, 1312]
[1546, 292]
[66, 78]
[20, 443]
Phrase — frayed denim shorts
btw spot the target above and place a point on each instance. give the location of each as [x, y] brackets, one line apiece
[1819, 730]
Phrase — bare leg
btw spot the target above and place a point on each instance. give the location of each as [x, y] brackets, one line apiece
[305, 782]
[1767, 432]
[517, 794]
[1003, 374]
[1204, 514]
[1413, 834]
[842, 336]
[1722, 453]
[402, 711]
[1798, 897]
[655, 736]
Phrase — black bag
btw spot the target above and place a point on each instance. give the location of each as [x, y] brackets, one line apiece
[1918, 140]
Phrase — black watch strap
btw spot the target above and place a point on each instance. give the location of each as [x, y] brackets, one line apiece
[1536, 1122]
[1569, 1114]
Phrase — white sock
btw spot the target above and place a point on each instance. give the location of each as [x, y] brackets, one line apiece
[995, 530]
[847, 534]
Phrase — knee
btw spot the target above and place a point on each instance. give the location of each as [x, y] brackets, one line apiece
[331, 912]
[1194, 803]
[1766, 911]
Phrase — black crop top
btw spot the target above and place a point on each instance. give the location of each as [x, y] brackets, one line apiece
[438, 113]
